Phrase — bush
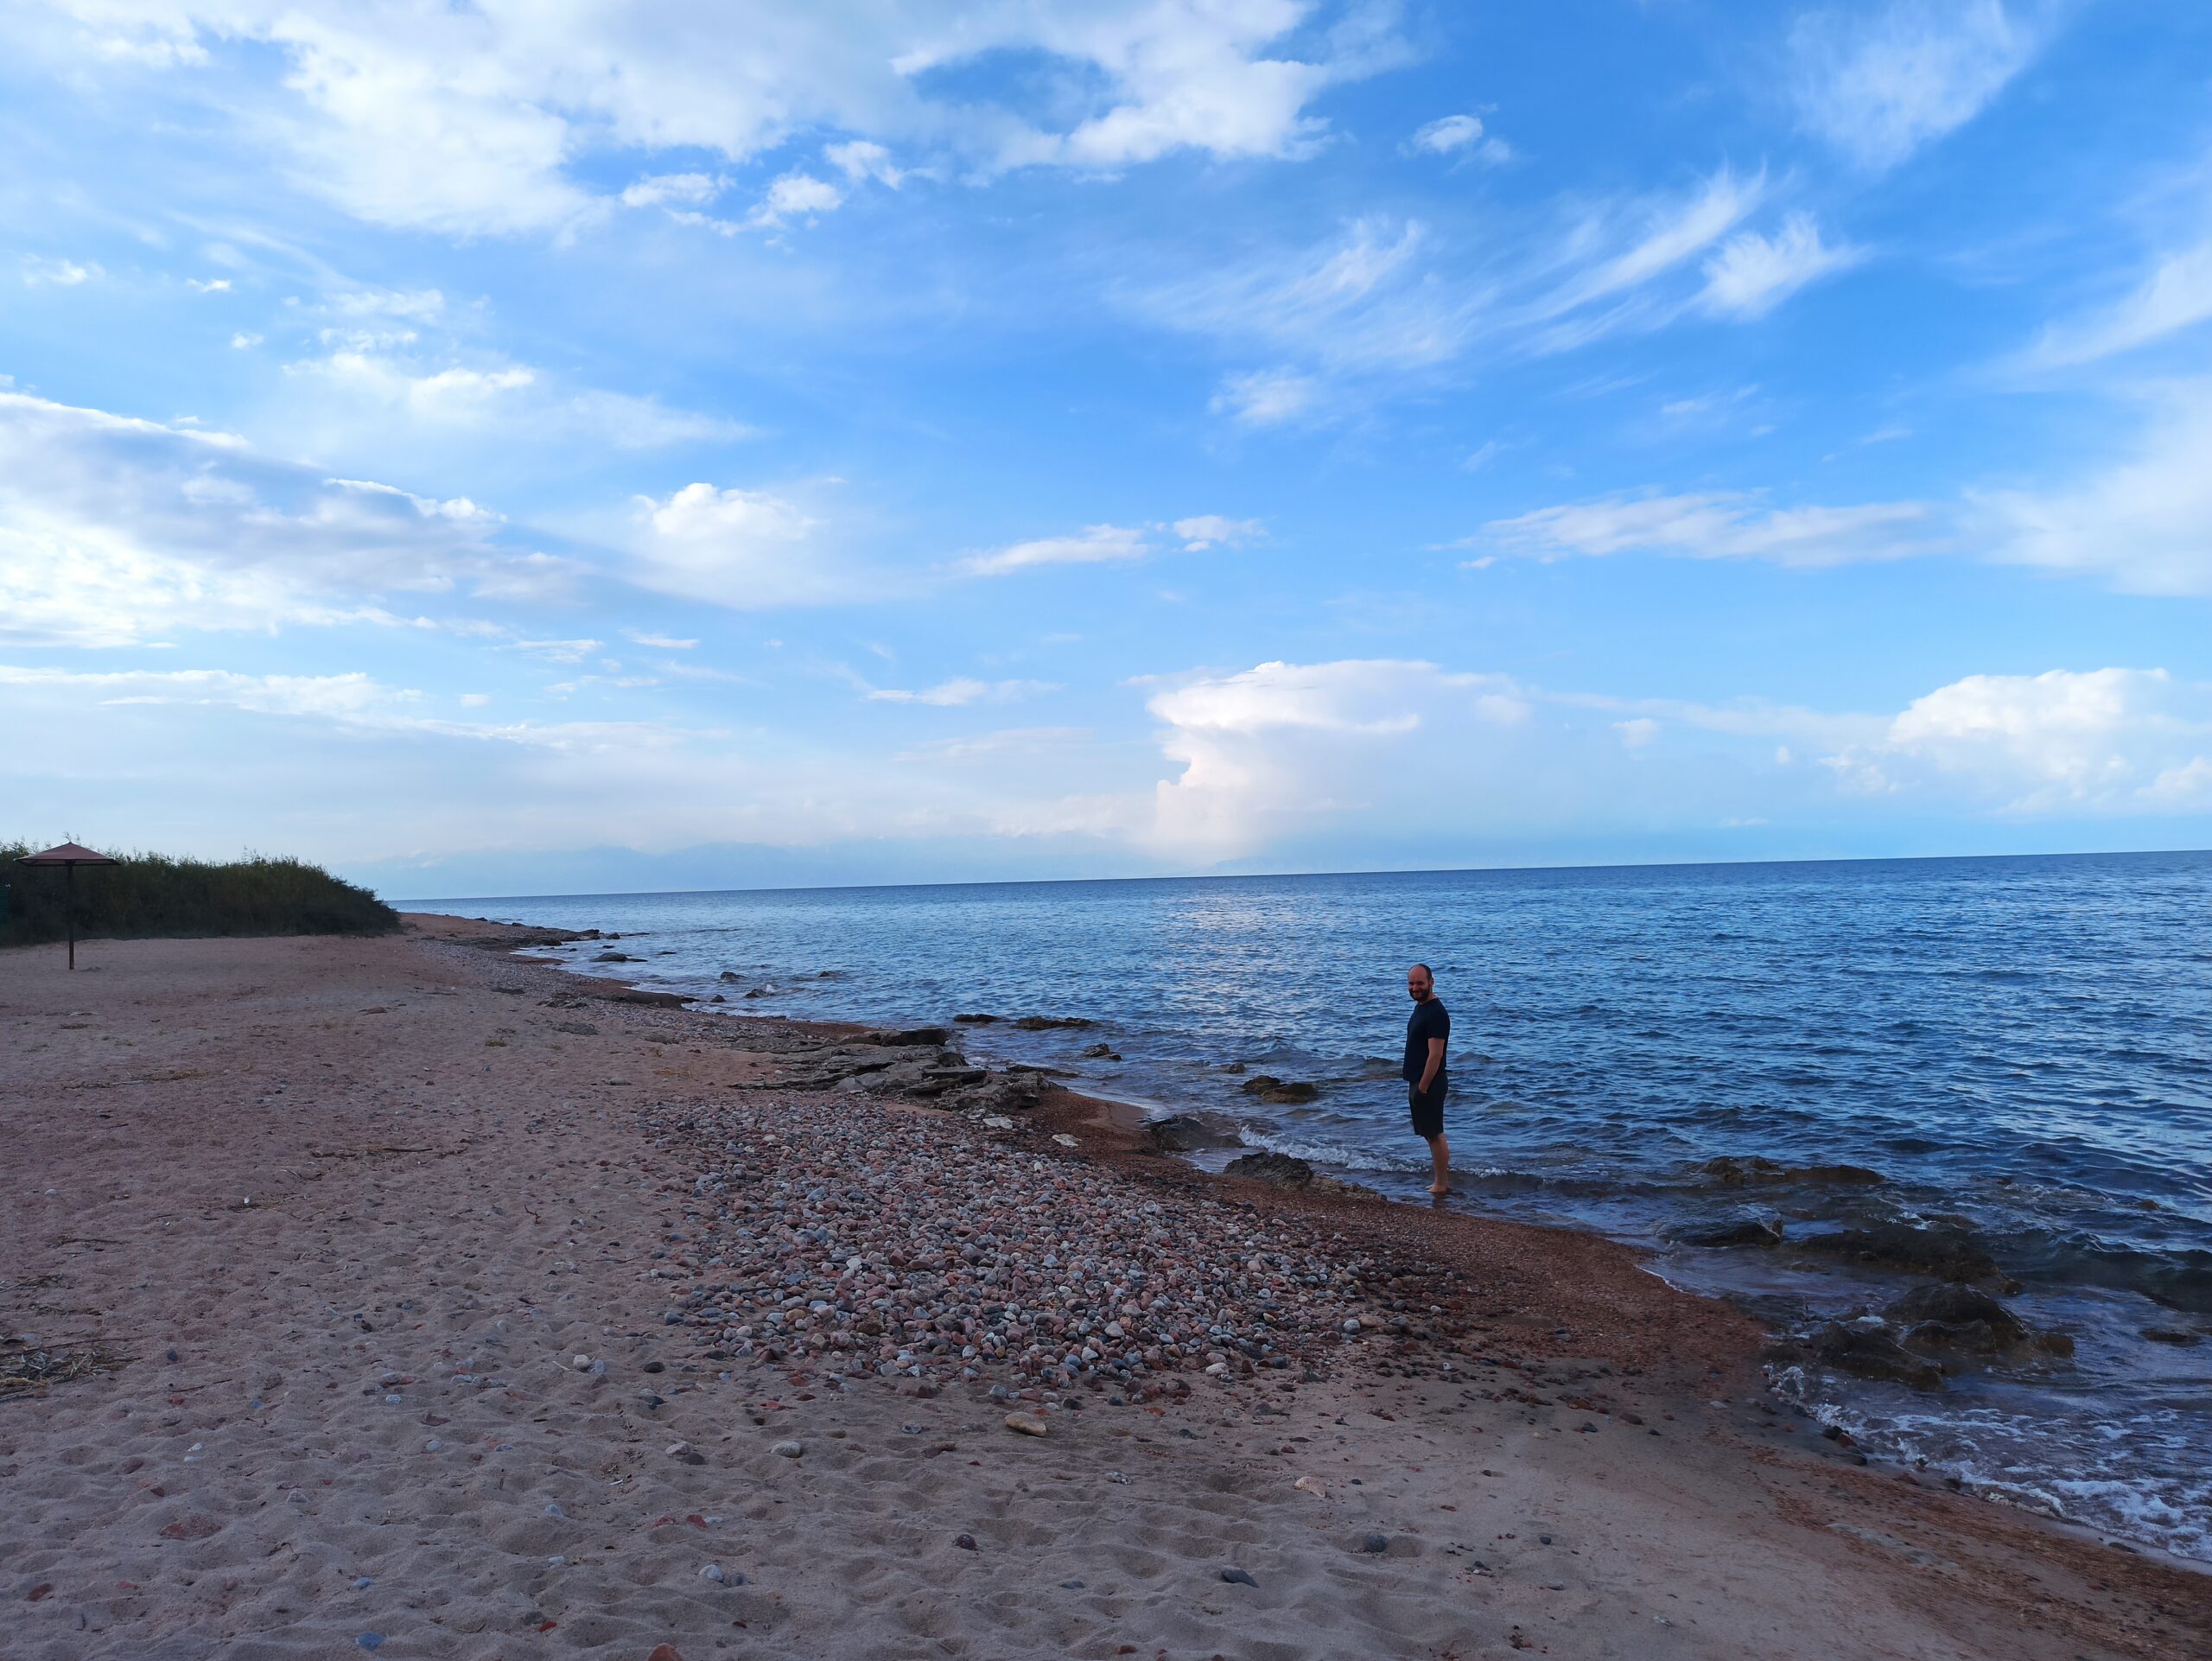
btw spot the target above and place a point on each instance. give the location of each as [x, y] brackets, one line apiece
[146, 894]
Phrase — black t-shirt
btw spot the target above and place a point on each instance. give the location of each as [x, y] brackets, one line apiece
[1429, 1020]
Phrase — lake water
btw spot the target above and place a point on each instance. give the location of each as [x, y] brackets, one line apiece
[2023, 1044]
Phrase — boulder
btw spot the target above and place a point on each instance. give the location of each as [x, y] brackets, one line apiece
[1947, 1316]
[1100, 1052]
[1269, 1088]
[975, 1019]
[1276, 1170]
[1049, 1023]
[999, 1092]
[910, 1037]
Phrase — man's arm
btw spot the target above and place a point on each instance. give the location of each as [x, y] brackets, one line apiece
[1435, 1065]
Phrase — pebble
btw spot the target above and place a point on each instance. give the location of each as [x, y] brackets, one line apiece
[1238, 1577]
[371, 1641]
[666, 1653]
[788, 1450]
[965, 1542]
[992, 1266]
[580, 1363]
[363, 1582]
[1024, 1424]
[1072, 1586]
[711, 1572]
[1376, 1543]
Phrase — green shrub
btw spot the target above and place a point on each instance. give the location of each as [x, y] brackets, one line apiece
[146, 895]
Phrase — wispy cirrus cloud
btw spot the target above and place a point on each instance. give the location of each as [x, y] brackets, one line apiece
[1709, 526]
[1879, 82]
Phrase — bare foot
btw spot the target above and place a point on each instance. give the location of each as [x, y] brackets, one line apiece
[1440, 1189]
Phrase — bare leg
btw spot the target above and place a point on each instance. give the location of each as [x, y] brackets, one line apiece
[1440, 1156]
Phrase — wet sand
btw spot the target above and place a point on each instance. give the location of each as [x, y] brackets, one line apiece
[381, 1240]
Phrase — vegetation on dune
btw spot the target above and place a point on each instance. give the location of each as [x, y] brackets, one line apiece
[147, 894]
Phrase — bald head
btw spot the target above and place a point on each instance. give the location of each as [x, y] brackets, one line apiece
[1419, 983]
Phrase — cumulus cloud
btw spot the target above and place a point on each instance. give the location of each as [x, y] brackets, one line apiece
[1212, 530]
[656, 190]
[1878, 84]
[115, 530]
[2106, 740]
[470, 120]
[743, 549]
[1712, 525]
[1750, 274]
[1270, 750]
[1097, 545]
[39, 272]
[796, 196]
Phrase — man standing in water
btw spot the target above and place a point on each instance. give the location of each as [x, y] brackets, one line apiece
[1427, 1030]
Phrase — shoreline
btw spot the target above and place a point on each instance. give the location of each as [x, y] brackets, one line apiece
[378, 1197]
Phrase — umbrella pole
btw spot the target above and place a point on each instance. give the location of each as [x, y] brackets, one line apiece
[69, 908]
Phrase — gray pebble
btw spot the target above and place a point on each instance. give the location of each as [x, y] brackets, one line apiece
[1238, 1577]
[788, 1450]
[1376, 1543]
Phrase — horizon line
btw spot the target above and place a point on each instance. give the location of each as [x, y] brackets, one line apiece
[1278, 876]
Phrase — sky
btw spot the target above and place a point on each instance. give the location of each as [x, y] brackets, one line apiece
[511, 447]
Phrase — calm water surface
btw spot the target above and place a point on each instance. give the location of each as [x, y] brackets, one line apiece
[2024, 1045]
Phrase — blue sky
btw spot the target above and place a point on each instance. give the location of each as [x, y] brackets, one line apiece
[512, 448]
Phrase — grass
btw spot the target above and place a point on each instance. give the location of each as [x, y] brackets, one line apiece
[151, 895]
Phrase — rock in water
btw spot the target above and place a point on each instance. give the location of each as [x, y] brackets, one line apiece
[1954, 1317]
[1183, 1133]
[1276, 1170]
[1743, 1231]
[1870, 1353]
[1288, 1092]
[1944, 1250]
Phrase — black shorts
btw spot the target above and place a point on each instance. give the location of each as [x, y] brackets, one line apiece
[1428, 1111]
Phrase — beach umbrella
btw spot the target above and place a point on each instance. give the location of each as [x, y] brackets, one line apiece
[69, 856]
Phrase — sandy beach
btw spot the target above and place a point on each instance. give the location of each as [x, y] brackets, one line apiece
[400, 1296]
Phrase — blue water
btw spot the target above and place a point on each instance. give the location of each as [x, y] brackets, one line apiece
[2023, 1044]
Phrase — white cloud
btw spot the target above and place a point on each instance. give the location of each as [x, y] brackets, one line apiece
[1452, 134]
[1878, 84]
[1097, 545]
[334, 697]
[1269, 749]
[1636, 731]
[2142, 518]
[114, 532]
[1671, 232]
[2175, 297]
[743, 549]
[244, 342]
[213, 285]
[658, 642]
[39, 272]
[2106, 741]
[510, 399]
[796, 196]
[1749, 275]
[1265, 397]
[471, 121]
[1212, 530]
[860, 159]
[959, 692]
[1714, 525]
[693, 189]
